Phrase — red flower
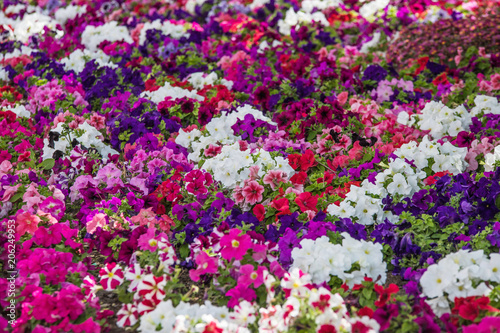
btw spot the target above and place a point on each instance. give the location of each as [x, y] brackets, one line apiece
[294, 161]
[385, 294]
[469, 307]
[366, 311]
[440, 79]
[307, 160]
[306, 201]
[212, 328]
[433, 179]
[422, 62]
[151, 85]
[299, 178]
[24, 157]
[327, 329]
[168, 190]
[260, 212]
[282, 205]
[359, 327]
[302, 162]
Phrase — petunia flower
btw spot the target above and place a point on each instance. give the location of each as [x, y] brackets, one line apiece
[206, 265]
[252, 192]
[249, 276]
[234, 245]
[151, 287]
[111, 276]
[127, 315]
[26, 222]
[147, 241]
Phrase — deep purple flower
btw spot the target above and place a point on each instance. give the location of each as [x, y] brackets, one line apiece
[286, 244]
[290, 221]
[355, 230]
[374, 73]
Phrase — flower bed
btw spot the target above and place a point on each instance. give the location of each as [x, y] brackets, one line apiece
[249, 166]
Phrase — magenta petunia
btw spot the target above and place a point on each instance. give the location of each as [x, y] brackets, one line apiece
[235, 244]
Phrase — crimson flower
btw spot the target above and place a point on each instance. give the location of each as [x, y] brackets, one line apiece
[385, 294]
[307, 201]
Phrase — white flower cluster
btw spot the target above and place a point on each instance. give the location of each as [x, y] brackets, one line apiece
[167, 28]
[91, 137]
[169, 91]
[165, 315]
[365, 202]
[293, 18]
[442, 120]
[200, 79]
[30, 24]
[78, 58]
[232, 166]
[322, 259]
[369, 9]
[362, 204]
[439, 119]
[485, 104]
[459, 274]
[491, 160]
[218, 130]
[446, 157]
[191, 5]
[309, 5]
[92, 36]
[3, 75]
[64, 14]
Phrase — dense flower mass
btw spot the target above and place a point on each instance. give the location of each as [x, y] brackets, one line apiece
[249, 166]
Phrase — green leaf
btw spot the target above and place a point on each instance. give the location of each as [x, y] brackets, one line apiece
[367, 293]
[184, 250]
[48, 164]
[16, 197]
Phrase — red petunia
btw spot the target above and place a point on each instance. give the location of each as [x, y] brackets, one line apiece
[385, 293]
[307, 201]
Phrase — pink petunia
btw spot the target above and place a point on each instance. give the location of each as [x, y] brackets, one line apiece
[147, 241]
[206, 265]
[26, 222]
[252, 192]
[99, 220]
[235, 245]
[240, 292]
[274, 178]
[251, 276]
